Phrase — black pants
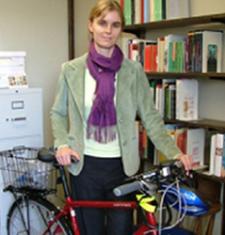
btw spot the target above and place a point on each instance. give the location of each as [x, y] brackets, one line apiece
[96, 181]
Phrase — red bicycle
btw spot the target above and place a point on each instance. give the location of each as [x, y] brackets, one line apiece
[33, 214]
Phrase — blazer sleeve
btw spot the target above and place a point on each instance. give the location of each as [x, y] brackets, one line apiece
[59, 112]
[151, 118]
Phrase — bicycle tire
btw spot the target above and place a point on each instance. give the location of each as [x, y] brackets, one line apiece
[40, 213]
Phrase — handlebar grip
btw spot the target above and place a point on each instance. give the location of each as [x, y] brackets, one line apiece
[127, 188]
[46, 155]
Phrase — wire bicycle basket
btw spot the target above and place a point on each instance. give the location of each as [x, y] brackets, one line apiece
[20, 168]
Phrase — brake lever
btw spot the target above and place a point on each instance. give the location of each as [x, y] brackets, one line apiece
[188, 179]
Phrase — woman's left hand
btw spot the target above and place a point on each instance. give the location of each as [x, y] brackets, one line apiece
[186, 161]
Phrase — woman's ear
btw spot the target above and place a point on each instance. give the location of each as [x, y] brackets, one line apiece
[90, 28]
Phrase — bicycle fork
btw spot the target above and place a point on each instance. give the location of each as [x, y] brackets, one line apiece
[73, 218]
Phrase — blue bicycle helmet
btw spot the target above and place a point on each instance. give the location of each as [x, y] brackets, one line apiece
[191, 203]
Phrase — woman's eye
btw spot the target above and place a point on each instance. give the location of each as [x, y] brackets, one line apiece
[105, 23]
[102, 22]
[117, 25]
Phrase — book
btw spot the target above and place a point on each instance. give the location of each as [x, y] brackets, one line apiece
[223, 158]
[176, 9]
[127, 11]
[146, 9]
[209, 151]
[153, 85]
[176, 56]
[159, 99]
[181, 138]
[170, 98]
[137, 12]
[142, 137]
[217, 149]
[195, 145]
[122, 4]
[191, 141]
[173, 55]
[150, 56]
[187, 99]
[157, 10]
[190, 62]
[161, 54]
[218, 154]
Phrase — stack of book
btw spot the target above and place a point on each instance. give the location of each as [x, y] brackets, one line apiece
[204, 51]
[176, 99]
[198, 51]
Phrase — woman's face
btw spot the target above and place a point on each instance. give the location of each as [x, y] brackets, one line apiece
[105, 31]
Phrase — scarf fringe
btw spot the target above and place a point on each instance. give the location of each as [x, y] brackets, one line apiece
[101, 134]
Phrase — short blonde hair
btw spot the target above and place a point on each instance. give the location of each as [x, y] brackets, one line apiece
[105, 6]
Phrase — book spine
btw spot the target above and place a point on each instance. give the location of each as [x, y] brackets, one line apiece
[127, 10]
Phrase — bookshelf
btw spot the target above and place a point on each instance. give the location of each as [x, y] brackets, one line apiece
[213, 20]
[204, 123]
[211, 75]
[174, 23]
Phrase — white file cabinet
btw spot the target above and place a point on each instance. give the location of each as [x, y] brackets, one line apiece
[21, 124]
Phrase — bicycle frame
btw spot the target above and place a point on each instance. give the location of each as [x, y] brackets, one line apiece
[70, 206]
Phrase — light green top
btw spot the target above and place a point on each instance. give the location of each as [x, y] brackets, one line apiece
[92, 147]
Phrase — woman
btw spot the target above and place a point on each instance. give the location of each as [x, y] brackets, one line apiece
[93, 121]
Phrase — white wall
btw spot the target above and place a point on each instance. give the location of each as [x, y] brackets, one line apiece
[38, 27]
[205, 7]
[81, 9]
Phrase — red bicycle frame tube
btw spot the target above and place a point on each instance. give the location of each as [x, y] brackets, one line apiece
[70, 205]
[143, 229]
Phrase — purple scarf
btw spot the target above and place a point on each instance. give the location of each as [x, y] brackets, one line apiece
[102, 119]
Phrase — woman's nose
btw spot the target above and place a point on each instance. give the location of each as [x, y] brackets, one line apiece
[108, 28]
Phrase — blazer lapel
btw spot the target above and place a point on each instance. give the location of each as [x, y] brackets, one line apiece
[124, 76]
[76, 83]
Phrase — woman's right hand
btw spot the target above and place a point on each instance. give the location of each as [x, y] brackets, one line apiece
[64, 155]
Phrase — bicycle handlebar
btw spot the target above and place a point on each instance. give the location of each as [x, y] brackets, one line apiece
[127, 188]
[48, 156]
[149, 181]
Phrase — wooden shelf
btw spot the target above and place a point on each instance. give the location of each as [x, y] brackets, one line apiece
[211, 75]
[173, 23]
[202, 123]
[212, 177]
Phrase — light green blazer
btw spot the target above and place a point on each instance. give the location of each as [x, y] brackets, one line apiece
[133, 97]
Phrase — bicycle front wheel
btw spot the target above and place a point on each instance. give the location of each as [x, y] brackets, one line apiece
[31, 216]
